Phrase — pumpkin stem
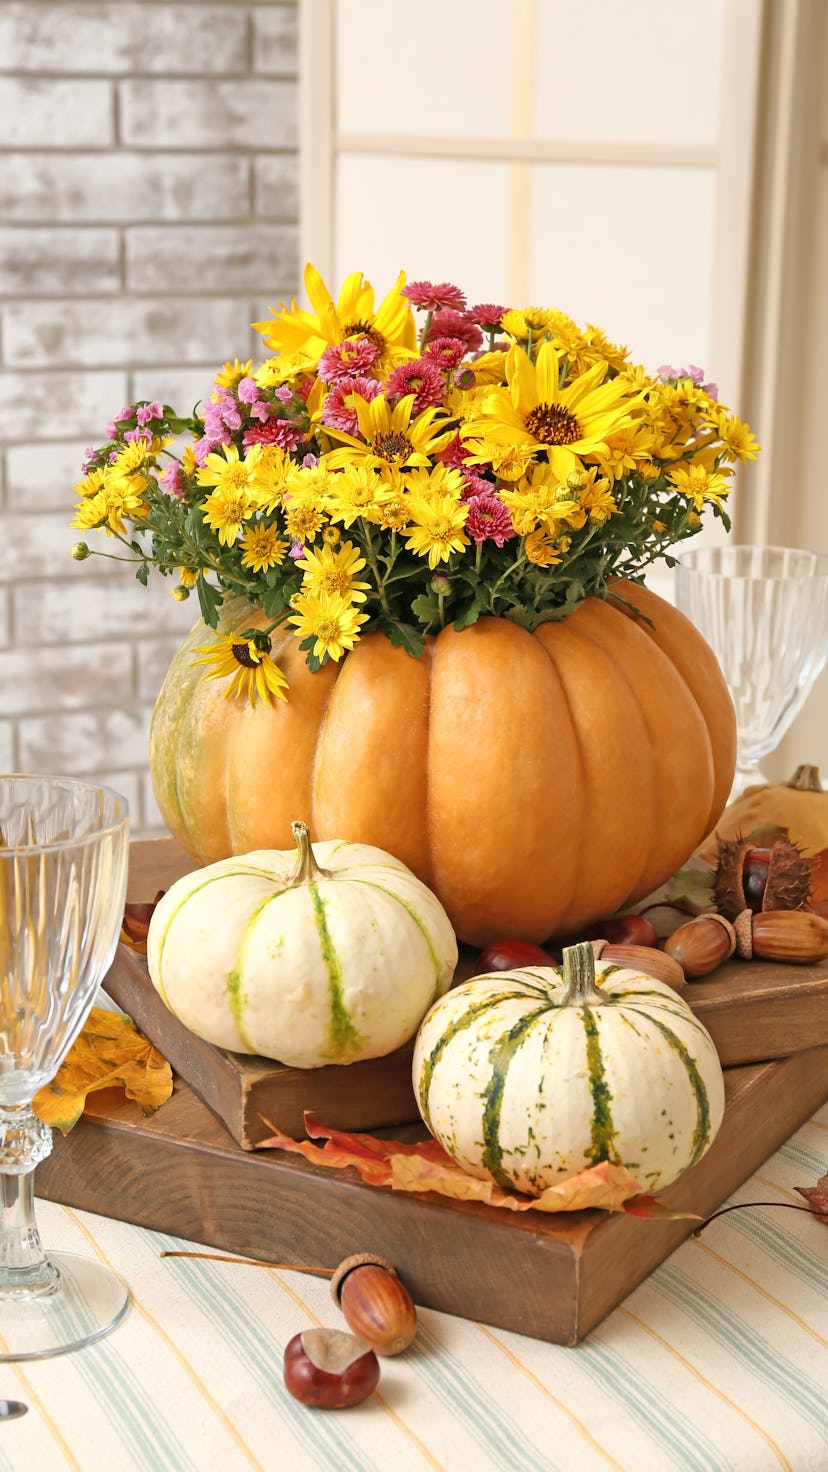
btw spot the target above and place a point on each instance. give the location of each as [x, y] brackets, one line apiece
[307, 868]
[805, 779]
[579, 976]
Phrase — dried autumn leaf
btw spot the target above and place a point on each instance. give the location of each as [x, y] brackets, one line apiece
[110, 1050]
[817, 1198]
[135, 924]
[425, 1166]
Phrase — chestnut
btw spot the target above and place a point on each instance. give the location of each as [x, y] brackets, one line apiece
[330, 1369]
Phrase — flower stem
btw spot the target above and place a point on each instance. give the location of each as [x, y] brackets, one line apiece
[371, 559]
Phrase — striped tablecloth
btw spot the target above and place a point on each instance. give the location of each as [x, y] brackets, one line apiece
[718, 1361]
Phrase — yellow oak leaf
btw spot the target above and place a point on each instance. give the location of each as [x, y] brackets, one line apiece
[109, 1051]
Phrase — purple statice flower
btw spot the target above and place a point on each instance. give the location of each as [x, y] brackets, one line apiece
[170, 479]
[147, 412]
[283, 394]
[297, 551]
[309, 461]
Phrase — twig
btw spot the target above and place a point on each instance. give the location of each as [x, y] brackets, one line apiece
[293, 1267]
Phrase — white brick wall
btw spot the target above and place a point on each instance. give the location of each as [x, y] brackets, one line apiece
[148, 206]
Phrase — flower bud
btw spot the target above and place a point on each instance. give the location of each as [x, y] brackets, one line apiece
[180, 593]
[440, 584]
[80, 552]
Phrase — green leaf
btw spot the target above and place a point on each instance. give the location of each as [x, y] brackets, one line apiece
[209, 601]
[692, 887]
[425, 608]
[469, 615]
[142, 573]
[404, 636]
[522, 617]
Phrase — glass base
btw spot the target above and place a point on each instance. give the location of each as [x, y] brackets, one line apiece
[90, 1300]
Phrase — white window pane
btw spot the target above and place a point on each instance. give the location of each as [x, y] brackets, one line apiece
[630, 250]
[436, 68]
[638, 71]
[436, 219]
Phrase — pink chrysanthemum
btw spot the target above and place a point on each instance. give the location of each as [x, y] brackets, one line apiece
[339, 412]
[489, 521]
[455, 455]
[486, 314]
[281, 432]
[432, 298]
[448, 323]
[449, 352]
[423, 379]
[475, 485]
[349, 359]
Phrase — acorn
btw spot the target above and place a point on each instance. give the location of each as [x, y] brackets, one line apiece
[377, 1306]
[795, 936]
[642, 958]
[758, 879]
[702, 944]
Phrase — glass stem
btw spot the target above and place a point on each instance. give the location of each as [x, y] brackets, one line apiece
[25, 1271]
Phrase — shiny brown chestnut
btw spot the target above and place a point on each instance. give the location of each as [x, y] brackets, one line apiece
[376, 1304]
[329, 1369]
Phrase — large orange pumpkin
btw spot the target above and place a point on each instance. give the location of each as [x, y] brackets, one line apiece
[536, 782]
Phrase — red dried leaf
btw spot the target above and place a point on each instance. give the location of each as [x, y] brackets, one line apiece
[425, 1166]
[135, 924]
[817, 1198]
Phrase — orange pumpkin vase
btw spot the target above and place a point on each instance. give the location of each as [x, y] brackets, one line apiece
[536, 782]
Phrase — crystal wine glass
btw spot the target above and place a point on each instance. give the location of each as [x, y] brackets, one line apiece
[63, 872]
[764, 612]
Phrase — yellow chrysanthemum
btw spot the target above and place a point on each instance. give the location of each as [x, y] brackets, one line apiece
[307, 334]
[253, 674]
[390, 437]
[187, 576]
[331, 620]
[435, 527]
[356, 491]
[699, 484]
[737, 438]
[189, 463]
[334, 570]
[541, 503]
[225, 511]
[263, 547]
[534, 411]
[228, 473]
[231, 374]
[91, 512]
[439, 480]
[540, 549]
[93, 482]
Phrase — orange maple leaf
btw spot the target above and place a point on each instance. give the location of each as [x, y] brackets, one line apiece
[110, 1050]
[425, 1166]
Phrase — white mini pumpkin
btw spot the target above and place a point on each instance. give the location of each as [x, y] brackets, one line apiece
[310, 957]
[527, 1077]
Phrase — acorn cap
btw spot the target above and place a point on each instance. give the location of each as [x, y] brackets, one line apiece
[743, 927]
[358, 1260]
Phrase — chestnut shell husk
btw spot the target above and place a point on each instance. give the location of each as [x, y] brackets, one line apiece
[788, 885]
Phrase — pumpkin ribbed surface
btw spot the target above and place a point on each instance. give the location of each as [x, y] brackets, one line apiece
[523, 1089]
[339, 967]
[536, 782]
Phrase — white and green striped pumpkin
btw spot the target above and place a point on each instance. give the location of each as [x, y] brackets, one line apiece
[309, 957]
[527, 1077]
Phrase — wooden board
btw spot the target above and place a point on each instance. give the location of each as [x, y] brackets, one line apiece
[553, 1277]
[754, 1012]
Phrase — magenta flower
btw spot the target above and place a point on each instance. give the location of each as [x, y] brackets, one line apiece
[248, 390]
[489, 521]
[448, 323]
[486, 314]
[339, 411]
[476, 485]
[422, 378]
[431, 298]
[455, 455]
[449, 352]
[349, 359]
[281, 432]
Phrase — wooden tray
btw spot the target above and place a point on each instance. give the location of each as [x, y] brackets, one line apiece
[553, 1277]
[754, 1011]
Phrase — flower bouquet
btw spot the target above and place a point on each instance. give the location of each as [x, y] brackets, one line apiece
[409, 471]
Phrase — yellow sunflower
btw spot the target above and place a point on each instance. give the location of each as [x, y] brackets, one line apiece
[246, 659]
[390, 327]
[390, 437]
[534, 411]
